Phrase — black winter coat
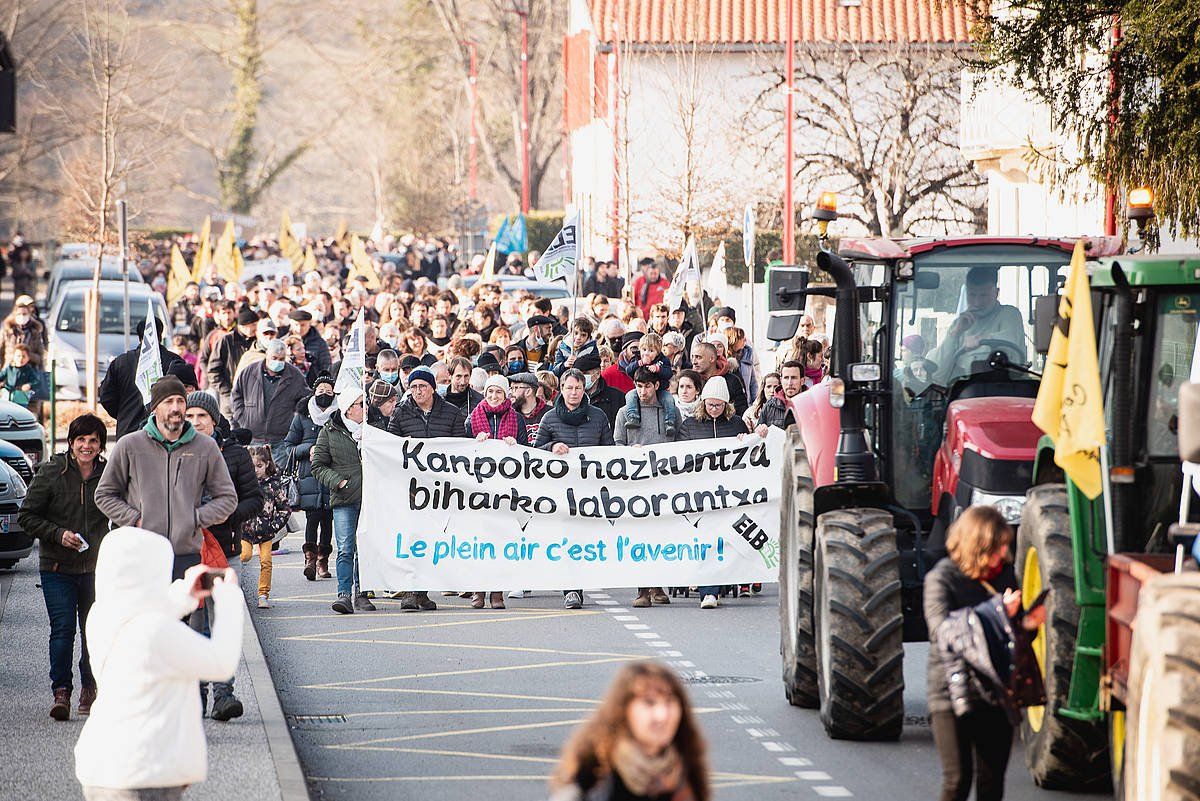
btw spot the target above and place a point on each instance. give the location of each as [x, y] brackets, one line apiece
[608, 400]
[301, 436]
[467, 401]
[249, 493]
[443, 420]
[318, 352]
[594, 430]
[223, 363]
[120, 396]
[776, 413]
[737, 390]
[708, 428]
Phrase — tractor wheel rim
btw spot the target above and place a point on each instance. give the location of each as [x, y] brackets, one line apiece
[1031, 587]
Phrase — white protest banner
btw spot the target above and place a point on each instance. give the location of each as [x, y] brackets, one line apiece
[560, 259]
[463, 514]
[748, 234]
[717, 283]
[354, 361]
[149, 364]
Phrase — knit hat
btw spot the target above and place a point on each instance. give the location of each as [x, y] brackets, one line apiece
[380, 392]
[488, 362]
[497, 381]
[422, 374]
[674, 338]
[164, 388]
[323, 378]
[528, 379]
[715, 388]
[631, 338]
[205, 401]
[348, 397]
[247, 316]
[410, 362]
[722, 311]
[588, 361]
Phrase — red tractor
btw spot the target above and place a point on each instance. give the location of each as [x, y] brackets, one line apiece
[926, 411]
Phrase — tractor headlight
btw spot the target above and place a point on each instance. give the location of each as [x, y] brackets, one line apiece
[837, 393]
[1008, 505]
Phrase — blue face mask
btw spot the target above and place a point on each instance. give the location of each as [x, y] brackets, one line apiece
[588, 382]
[390, 377]
[274, 365]
[442, 389]
[516, 367]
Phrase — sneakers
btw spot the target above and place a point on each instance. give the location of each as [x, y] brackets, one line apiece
[642, 601]
[263, 603]
[520, 594]
[61, 709]
[227, 707]
[87, 697]
[632, 422]
[709, 602]
[445, 594]
[755, 589]
[363, 604]
[573, 600]
[659, 597]
[344, 606]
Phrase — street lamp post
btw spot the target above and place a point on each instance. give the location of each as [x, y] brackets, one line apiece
[473, 138]
[523, 12]
[789, 212]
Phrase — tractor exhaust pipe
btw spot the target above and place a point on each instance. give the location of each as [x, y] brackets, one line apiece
[854, 459]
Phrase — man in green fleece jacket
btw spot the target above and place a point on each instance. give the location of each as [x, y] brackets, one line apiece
[165, 478]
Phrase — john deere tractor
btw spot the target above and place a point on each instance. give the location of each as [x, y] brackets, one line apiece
[918, 420]
[1114, 688]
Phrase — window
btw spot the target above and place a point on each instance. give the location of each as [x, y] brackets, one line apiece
[1178, 314]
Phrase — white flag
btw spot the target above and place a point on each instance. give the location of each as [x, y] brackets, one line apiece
[748, 238]
[354, 361]
[687, 272]
[149, 365]
[717, 285]
[559, 260]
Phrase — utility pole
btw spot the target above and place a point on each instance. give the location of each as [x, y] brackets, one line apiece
[523, 12]
[789, 211]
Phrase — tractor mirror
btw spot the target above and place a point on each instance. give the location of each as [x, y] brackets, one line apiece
[1189, 422]
[1045, 315]
[787, 290]
[927, 279]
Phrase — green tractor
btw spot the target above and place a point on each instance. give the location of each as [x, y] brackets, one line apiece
[1107, 557]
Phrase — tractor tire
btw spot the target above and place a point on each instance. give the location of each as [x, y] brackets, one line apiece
[859, 625]
[1061, 753]
[1163, 744]
[796, 643]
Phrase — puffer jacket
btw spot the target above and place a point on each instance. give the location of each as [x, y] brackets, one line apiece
[335, 458]
[59, 500]
[776, 412]
[443, 420]
[300, 439]
[592, 430]
[708, 428]
[988, 661]
[245, 482]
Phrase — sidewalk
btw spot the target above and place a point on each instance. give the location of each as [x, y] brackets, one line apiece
[37, 751]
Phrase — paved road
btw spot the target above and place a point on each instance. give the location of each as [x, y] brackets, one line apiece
[463, 703]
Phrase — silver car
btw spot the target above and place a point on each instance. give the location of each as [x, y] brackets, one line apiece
[15, 544]
[67, 342]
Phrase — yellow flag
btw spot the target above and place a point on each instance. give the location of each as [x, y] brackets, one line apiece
[288, 245]
[489, 265]
[339, 236]
[227, 257]
[1070, 406]
[178, 277]
[310, 260]
[362, 263]
[204, 253]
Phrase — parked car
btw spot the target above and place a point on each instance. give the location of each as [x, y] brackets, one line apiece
[65, 325]
[15, 544]
[68, 271]
[20, 428]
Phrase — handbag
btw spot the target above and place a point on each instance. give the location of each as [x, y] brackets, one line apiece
[291, 482]
[211, 553]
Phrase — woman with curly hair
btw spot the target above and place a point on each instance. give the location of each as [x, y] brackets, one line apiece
[642, 742]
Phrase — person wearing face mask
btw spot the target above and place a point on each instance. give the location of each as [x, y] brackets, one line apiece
[514, 360]
[541, 327]
[387, 367]
[22, 327]
[264, 332]
[312, 413]
[605, 398]
[265, 396]
[119, 394]
[227, 353]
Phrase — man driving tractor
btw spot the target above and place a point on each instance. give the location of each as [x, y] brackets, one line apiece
[985, 319]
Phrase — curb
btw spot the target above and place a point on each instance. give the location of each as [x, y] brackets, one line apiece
[292, 785]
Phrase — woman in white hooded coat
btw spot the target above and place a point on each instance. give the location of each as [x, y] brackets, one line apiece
[144, 739]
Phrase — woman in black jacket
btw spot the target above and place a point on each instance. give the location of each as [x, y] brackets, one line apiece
[977, 569]
[60, 510]
[714, 418]
[312, 413]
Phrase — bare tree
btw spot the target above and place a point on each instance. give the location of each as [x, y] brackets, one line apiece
[878, 125]
[496, 28]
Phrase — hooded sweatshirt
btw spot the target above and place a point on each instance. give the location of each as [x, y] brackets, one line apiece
[145, 728]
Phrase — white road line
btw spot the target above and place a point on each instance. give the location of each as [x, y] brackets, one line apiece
[771, 745]
[795, 762]
[670, 653]
[833, 791]
[645, 635]
[604, 602]
[813, 775]
[625, 617]
[742, 720]
[637, 626]
[659, 644]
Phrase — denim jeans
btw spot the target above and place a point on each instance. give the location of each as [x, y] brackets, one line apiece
[345, 534]
[633, 407]
[713, 590]
[68, 598]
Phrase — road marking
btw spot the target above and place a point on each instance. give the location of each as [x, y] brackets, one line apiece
[473, 646]
[813, 775]
[795, 762]
[777, 747]
[516, 711]
[476, 622]
[659, 644]
[380, 741]
[468, 672]
[741, 720]
[464, 693]
[647, 635]
[636, 626]
[625, 617]
[833, 791]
